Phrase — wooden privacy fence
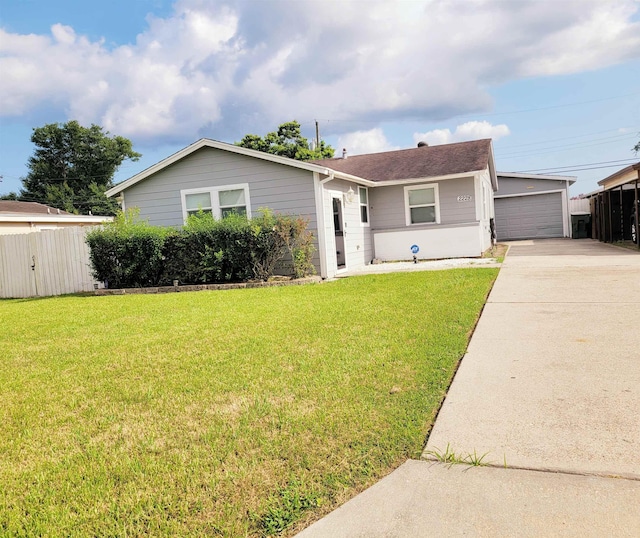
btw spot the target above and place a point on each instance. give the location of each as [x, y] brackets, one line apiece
[50, 262]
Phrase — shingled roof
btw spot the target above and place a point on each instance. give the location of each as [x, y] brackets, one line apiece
[421, 162]
[29, 208]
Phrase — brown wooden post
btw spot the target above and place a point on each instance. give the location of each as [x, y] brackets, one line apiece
[621, 224]
[637, 203]
[610, 217]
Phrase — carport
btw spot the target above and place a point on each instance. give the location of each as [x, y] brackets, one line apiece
[614, 209]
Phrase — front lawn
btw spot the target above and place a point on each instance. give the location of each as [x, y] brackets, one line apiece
[228, 413]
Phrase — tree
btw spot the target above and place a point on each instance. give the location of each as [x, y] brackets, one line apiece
[636, 148]
[288, 142]
[73, 166]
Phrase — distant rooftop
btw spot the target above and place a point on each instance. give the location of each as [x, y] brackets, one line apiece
[29, 208]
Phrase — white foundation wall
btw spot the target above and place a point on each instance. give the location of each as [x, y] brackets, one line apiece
[461, 241]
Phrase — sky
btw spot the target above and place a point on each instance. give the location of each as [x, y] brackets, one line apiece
[555, 84]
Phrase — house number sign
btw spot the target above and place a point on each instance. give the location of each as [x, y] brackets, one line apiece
[464, 198]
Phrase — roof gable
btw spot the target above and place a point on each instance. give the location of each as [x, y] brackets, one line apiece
[207, 142]
[389, 166]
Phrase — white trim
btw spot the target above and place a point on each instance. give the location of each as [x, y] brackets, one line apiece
[407, 209]
[215, 204]
[566, 218]
[322, 244]
[477, 187]
[207, 142]
[360, 204]
[518, 175]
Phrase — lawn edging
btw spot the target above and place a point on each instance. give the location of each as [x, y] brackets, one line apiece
[202, 287]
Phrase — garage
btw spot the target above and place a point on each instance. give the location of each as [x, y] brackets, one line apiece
[531, 206]
[529, 217]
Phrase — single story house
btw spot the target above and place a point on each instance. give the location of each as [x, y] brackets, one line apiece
[615, 209]
[532, 206]
[24, 217]
[429, 201]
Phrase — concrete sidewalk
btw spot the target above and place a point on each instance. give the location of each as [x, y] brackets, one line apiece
[550, 385]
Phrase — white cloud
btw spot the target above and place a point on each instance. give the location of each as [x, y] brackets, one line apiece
[226, 68]
[472, 130]
[359, 142]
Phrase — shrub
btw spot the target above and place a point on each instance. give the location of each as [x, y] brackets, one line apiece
[269, 245]
[299, 243]
[131, 253]
[127, 252]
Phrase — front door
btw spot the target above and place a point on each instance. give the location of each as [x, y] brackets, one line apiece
[338, 229]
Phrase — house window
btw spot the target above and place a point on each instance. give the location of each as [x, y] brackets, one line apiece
[232, 201]
[219, 201]
[364, 205]
[198, 201]
[337, 220]
[421, 204]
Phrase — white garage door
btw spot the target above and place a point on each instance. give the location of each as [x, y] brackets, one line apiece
[529, 217]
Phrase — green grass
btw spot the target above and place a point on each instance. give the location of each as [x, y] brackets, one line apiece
[244, 412]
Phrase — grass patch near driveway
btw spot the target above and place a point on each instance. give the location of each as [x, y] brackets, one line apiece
[243, 412]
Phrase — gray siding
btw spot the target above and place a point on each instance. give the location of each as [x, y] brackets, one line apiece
[512, 185]
[279, 187]
[388, 212]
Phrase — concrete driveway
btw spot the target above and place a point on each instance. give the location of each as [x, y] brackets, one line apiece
[550, 390]
[551, 379]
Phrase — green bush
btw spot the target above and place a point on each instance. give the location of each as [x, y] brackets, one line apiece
[127, 252]
[132, 253]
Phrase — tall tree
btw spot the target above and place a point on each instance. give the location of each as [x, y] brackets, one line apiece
[288, 142]
[73, 166]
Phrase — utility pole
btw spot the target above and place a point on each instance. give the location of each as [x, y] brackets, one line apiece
[317, 135]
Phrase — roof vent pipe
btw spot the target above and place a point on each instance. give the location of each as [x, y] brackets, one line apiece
[422, 144]
[344, 153]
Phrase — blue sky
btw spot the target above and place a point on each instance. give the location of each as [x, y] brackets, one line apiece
[555, 84]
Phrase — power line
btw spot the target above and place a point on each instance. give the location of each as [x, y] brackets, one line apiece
[563, 138]
[584, 166]
[616, 137]
[567, 147]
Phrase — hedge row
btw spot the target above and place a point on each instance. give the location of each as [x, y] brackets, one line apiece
[130, 253]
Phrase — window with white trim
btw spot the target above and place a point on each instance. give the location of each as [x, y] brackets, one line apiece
[219, 201]
[422, 205]
[363, 194]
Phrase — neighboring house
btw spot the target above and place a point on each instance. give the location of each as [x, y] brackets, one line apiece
[615, 209]
[436, 201]
[532, 206]
[25, 217]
